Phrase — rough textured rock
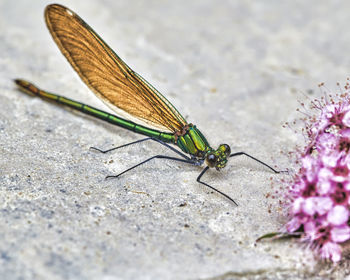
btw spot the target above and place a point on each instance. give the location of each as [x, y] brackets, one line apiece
[234, 68]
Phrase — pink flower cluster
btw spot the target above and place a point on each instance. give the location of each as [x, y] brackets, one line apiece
[320, 192]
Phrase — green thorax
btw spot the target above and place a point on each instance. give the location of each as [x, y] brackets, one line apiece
[192, 141]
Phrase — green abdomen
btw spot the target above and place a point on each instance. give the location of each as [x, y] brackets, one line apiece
[193, 142]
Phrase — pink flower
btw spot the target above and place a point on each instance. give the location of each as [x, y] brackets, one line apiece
[320, 192]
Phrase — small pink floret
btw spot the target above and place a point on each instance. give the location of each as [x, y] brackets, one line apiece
[340, 234]
[331, 251]
[338, 215]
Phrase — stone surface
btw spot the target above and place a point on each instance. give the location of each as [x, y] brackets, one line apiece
[234, 68]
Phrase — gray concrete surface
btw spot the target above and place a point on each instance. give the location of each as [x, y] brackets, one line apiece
[234, 68]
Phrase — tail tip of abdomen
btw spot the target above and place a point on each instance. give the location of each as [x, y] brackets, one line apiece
[26, 86]
[20, 82]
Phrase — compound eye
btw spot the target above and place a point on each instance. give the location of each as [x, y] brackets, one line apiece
[227, 150]
[211, 160]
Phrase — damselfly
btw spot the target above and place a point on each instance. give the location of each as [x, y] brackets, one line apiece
[106, 74]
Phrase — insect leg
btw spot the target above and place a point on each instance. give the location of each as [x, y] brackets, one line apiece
[147, 160]
[214, 189]
[122, 146]
[142, 140]
[173, 149]
[257, 160]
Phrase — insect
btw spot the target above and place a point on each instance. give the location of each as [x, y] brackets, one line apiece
[106, 74]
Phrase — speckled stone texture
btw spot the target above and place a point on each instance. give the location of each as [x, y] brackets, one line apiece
[234, 68]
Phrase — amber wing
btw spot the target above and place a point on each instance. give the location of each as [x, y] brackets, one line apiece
[106, 74]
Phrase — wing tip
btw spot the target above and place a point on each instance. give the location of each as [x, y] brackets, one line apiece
[56, 9]
[53, 7]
